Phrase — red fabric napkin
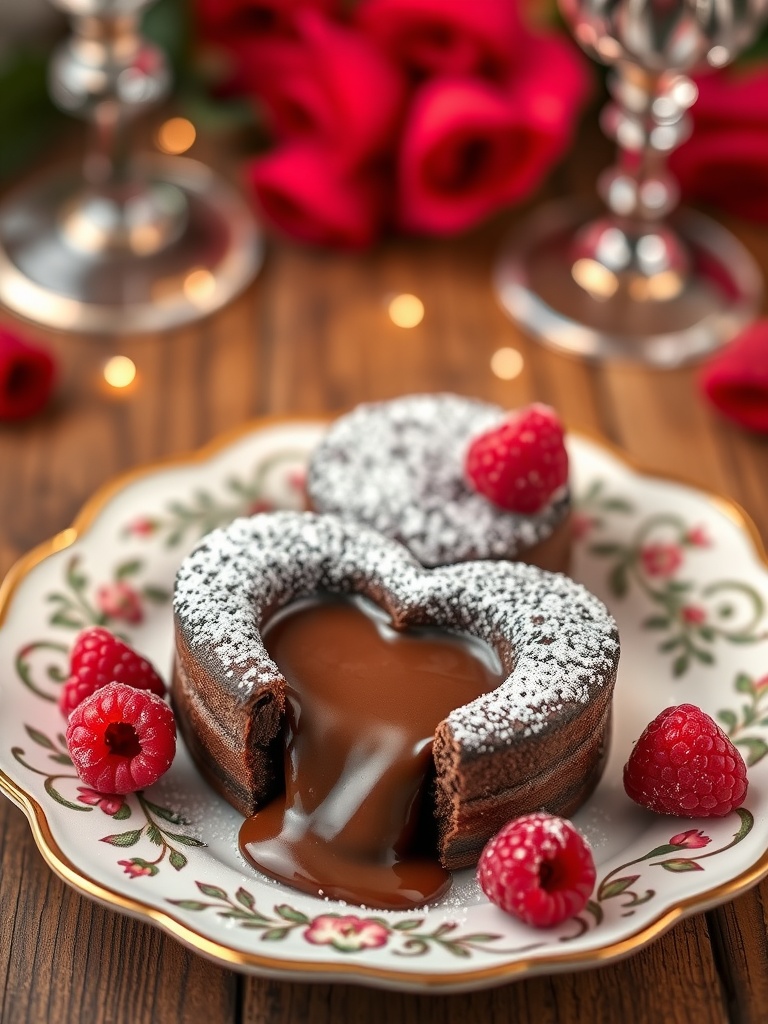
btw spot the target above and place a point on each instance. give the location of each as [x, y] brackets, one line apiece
[736, 379]
[26, 377]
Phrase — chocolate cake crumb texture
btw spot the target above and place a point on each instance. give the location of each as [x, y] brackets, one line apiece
[398, 466]
[557, 642]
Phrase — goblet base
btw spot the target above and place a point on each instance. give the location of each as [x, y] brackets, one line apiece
[540, 286]
[66, 263]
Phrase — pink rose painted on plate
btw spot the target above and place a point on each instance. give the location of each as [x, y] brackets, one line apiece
[697, 537]
[142, 527]
[110, 803]
[582, 525]
[347, 934]
[693, 839]
[137, 868]
[120, 601]
[694, 614]
[659, 559]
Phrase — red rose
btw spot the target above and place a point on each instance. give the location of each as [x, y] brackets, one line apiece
[229, 19]
[342, 91]
[725, 162]
[469, 146]
[260, 35]
[303, 189]
[439, 37]
[27, 376]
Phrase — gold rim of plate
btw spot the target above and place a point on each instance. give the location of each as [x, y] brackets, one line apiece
[58, 861]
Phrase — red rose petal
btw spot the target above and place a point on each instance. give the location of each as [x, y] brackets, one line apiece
[736, 379]
[26, 377]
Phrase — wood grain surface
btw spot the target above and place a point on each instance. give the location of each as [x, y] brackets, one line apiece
[312, 336]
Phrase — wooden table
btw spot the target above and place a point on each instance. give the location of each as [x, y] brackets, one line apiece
[312, 336]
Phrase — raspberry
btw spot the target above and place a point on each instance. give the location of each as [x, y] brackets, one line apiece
[99, 658]
[121, 739]
[538, 868]
[684, 764]
[520, 464]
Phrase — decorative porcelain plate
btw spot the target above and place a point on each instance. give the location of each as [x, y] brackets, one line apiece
[679, 570]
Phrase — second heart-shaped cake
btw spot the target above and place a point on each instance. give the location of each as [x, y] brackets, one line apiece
[538, 739]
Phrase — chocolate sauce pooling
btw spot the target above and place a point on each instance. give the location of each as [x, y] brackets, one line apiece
[363, 701]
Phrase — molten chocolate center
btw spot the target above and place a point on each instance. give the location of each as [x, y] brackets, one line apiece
[363, 701]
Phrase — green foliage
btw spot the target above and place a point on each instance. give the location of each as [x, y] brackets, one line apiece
[28, 118]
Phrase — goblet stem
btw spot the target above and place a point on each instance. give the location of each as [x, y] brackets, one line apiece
[644, 281]
[106, 73]
[125, 243]
[633, 246]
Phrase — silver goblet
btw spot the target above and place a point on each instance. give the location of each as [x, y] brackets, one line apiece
[642, 281]
[122, 243]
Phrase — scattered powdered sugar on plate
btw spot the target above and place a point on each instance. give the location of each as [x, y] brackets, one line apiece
[557, 642]
[398, 466]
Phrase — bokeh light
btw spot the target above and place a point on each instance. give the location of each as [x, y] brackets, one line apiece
[406, 310]
[200, 286]
[119, 371]
[507, 363]
[176, 135]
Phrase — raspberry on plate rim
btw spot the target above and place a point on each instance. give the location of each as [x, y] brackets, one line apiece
[121, 739]
[684, 764]
[538, 868]
[99, 657]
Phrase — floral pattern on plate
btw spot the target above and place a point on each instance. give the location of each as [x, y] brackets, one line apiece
[691, 616]
[687, 589]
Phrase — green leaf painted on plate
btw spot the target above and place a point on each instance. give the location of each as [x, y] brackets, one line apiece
[679, 864]
[177, 860]
[123, 838]
[185, 840]
[618, 580]
[154, 835]
[747, 823]
[756, 749]
[165, 813]
[211, 890]
[128, 568]
[245, 898]
[289, 913]
[615, 887]
[680, 666]
[744, 683]
[38, 737]
[728, 718]
[656, 622]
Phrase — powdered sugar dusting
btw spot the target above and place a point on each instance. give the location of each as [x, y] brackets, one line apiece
[556, 641]
[398, 466]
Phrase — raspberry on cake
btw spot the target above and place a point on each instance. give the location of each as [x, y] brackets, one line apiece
[537, 739]
[685, 764]
[401, 467]
[521, 463]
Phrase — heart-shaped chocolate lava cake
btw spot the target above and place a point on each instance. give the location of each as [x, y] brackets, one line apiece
[538, 740]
